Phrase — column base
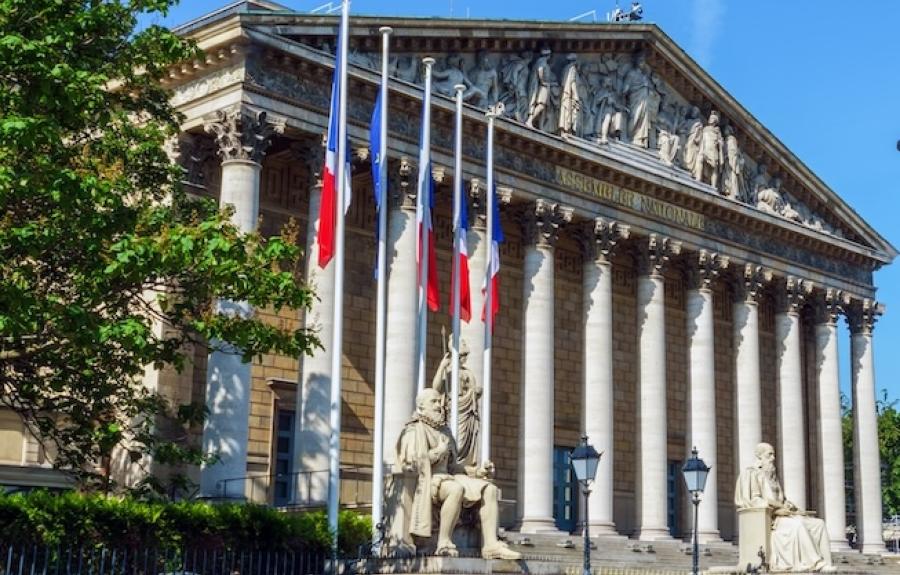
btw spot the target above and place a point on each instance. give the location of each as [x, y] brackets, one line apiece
[540, 525]
[840, 546]
[601, 529]
[873, 549]
[705, 537]
[654, 534]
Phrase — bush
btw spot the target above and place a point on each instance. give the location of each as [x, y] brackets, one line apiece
[65, 518]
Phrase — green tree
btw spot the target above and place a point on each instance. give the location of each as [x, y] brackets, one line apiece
[98, 242]
[889, 448]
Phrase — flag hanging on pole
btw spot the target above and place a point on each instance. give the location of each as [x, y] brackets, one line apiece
[328, 203]
[378, 160]
[462, 252]
[426, 194]
[494, 278]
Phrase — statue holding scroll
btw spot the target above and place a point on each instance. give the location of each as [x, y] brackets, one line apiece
[434, 481]
[469, 422]
[798, 541]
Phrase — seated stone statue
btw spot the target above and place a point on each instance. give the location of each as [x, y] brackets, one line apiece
[426, 452]
[798, 541]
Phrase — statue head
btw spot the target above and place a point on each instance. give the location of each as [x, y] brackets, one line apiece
[728, 130]
[765, 457]
[713, 118]
[545, 53]
[430, 405]
[481, 58]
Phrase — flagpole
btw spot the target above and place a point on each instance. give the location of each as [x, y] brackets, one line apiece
[455, 288]
[488, 296]
[381, 307]
[334, 445]
[424, 189]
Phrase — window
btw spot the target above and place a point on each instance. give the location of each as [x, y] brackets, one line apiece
[284, 453]
[565, 490]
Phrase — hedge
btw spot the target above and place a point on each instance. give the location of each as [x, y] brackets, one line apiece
[75, 518]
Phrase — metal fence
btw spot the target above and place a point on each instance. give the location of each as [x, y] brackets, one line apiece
[25, 559]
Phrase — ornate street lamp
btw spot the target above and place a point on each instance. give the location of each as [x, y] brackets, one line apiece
[585, 460]
[695, 473]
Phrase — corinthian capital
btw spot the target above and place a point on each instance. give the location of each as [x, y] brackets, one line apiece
[542, 221]
[830, 304]
[402, 191]
[704, 267]
[242, 134]
[600, 237]
[792, 293]
[654, 254]
[749, 281]
[862, 315]
[311, 153]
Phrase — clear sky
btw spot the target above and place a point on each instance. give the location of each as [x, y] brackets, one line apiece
[820, 74]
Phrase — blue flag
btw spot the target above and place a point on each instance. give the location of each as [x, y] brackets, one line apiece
[377, 167]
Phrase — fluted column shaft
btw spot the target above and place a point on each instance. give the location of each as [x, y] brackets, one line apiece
[598, 414]
[400, 351]
[747, 395]
[652, 412]
[537, 406]
[866, 456]
[831, 458]
[242, 138]
[702, 382]
[791, 409]
[472, 332]
[312, 422]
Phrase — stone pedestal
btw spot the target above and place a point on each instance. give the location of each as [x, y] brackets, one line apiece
[755, 527]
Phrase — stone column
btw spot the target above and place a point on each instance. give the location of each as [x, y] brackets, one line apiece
[242, 137]
[702, 271]
[747, 396]
[472, 332]
[541, 230]
[400, 348]
[651, 499]
[598, 399]
[791, 409]
[831, 454]
[312, 427]
[866, 458]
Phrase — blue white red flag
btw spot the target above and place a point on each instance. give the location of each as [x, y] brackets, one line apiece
[426, 189]
[462, 252]
[378, 160]
[494, 279]
[328, 203]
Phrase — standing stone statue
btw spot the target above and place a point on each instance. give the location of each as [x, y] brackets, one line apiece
[638, 89]
[570, 100]
[486, 81]
[543, 93]
[733, 178]
[667, 132]
[469, 422]
[799, 542]
[514, 77]
[689, 131]
[426, 452]
[609, 112]
[710, 152]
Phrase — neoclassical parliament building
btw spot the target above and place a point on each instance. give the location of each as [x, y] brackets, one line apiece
[673, 276]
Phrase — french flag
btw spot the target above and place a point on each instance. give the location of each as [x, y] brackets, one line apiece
[494, 279]
[426, 189]
[462, 252]
[327, 206]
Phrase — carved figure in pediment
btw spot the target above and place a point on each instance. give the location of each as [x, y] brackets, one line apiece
[654, 104]
[639, 94]
[733, 177]
[445, 81]
[364, 59]
[789, 209]
[667, 136]
[514, 80]
[485, 79]
[768, 199]
[710, 152]
[758, 182]
[543, 93]
[571, 98]
[609, 112]
[404, 67]
[690, 131]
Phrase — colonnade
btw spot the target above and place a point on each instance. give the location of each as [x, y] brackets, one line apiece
[228, 381]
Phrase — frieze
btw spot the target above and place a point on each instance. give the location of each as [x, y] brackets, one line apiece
[207, 85]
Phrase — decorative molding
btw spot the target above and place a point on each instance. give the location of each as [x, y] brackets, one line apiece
[243, 134]
[402, 193]
[201, 87]
[862, 315]
[542, 221]
[704, 267]
[654, 254]
[477, 189]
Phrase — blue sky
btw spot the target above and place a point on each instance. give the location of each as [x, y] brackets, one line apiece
[820, 74]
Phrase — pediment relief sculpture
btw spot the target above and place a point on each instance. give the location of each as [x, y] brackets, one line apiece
[613, 98]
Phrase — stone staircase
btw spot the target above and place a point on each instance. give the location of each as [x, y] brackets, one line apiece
[563, 555]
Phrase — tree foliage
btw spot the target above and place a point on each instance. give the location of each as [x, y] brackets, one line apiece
[889, 450]
[98, 243]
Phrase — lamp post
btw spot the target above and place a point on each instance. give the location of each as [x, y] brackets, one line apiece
[585, 460]
[695, 472]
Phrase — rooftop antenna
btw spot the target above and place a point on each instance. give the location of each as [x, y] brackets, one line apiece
[591, 13]
[327, 8]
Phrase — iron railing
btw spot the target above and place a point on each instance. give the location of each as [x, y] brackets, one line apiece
[33, 559]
